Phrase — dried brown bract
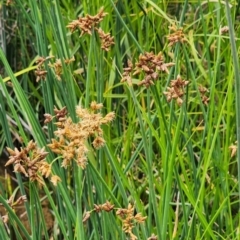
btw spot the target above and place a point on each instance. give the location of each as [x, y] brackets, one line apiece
[31, 161]
[176, 36]
[176, 90]
[71, 137]
[129, 219]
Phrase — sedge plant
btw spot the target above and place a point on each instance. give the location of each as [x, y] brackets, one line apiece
[120, 120]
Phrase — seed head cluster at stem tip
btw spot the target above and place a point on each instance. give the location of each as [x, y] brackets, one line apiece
[31, 161]
[176, 35]
[70, 137]
[125, 214]
[13, 204]
[129, 219]
[150, 65]
[57, 67]
[88, 23]
[176, 90]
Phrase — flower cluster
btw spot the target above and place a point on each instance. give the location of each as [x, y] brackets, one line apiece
[176, 90]
[106, 40]
[150, 65]
[58, 114]
[127, 71]
[126, 215]
[203, 92]
[88, 23]
[13, 204]
[107, 207]
[85, 24]
[40, 71]
[56, 66]
[129, 219]
[31, 161]
[176, 36]
[71, 137]
[224, 30]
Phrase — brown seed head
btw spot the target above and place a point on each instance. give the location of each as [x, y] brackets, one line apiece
[176, 36]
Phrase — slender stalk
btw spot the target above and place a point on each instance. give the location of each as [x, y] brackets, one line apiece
[237, 87]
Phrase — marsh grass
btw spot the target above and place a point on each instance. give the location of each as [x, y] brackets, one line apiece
[165, 165]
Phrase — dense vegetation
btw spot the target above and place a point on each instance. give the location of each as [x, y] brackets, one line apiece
[120, 119]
